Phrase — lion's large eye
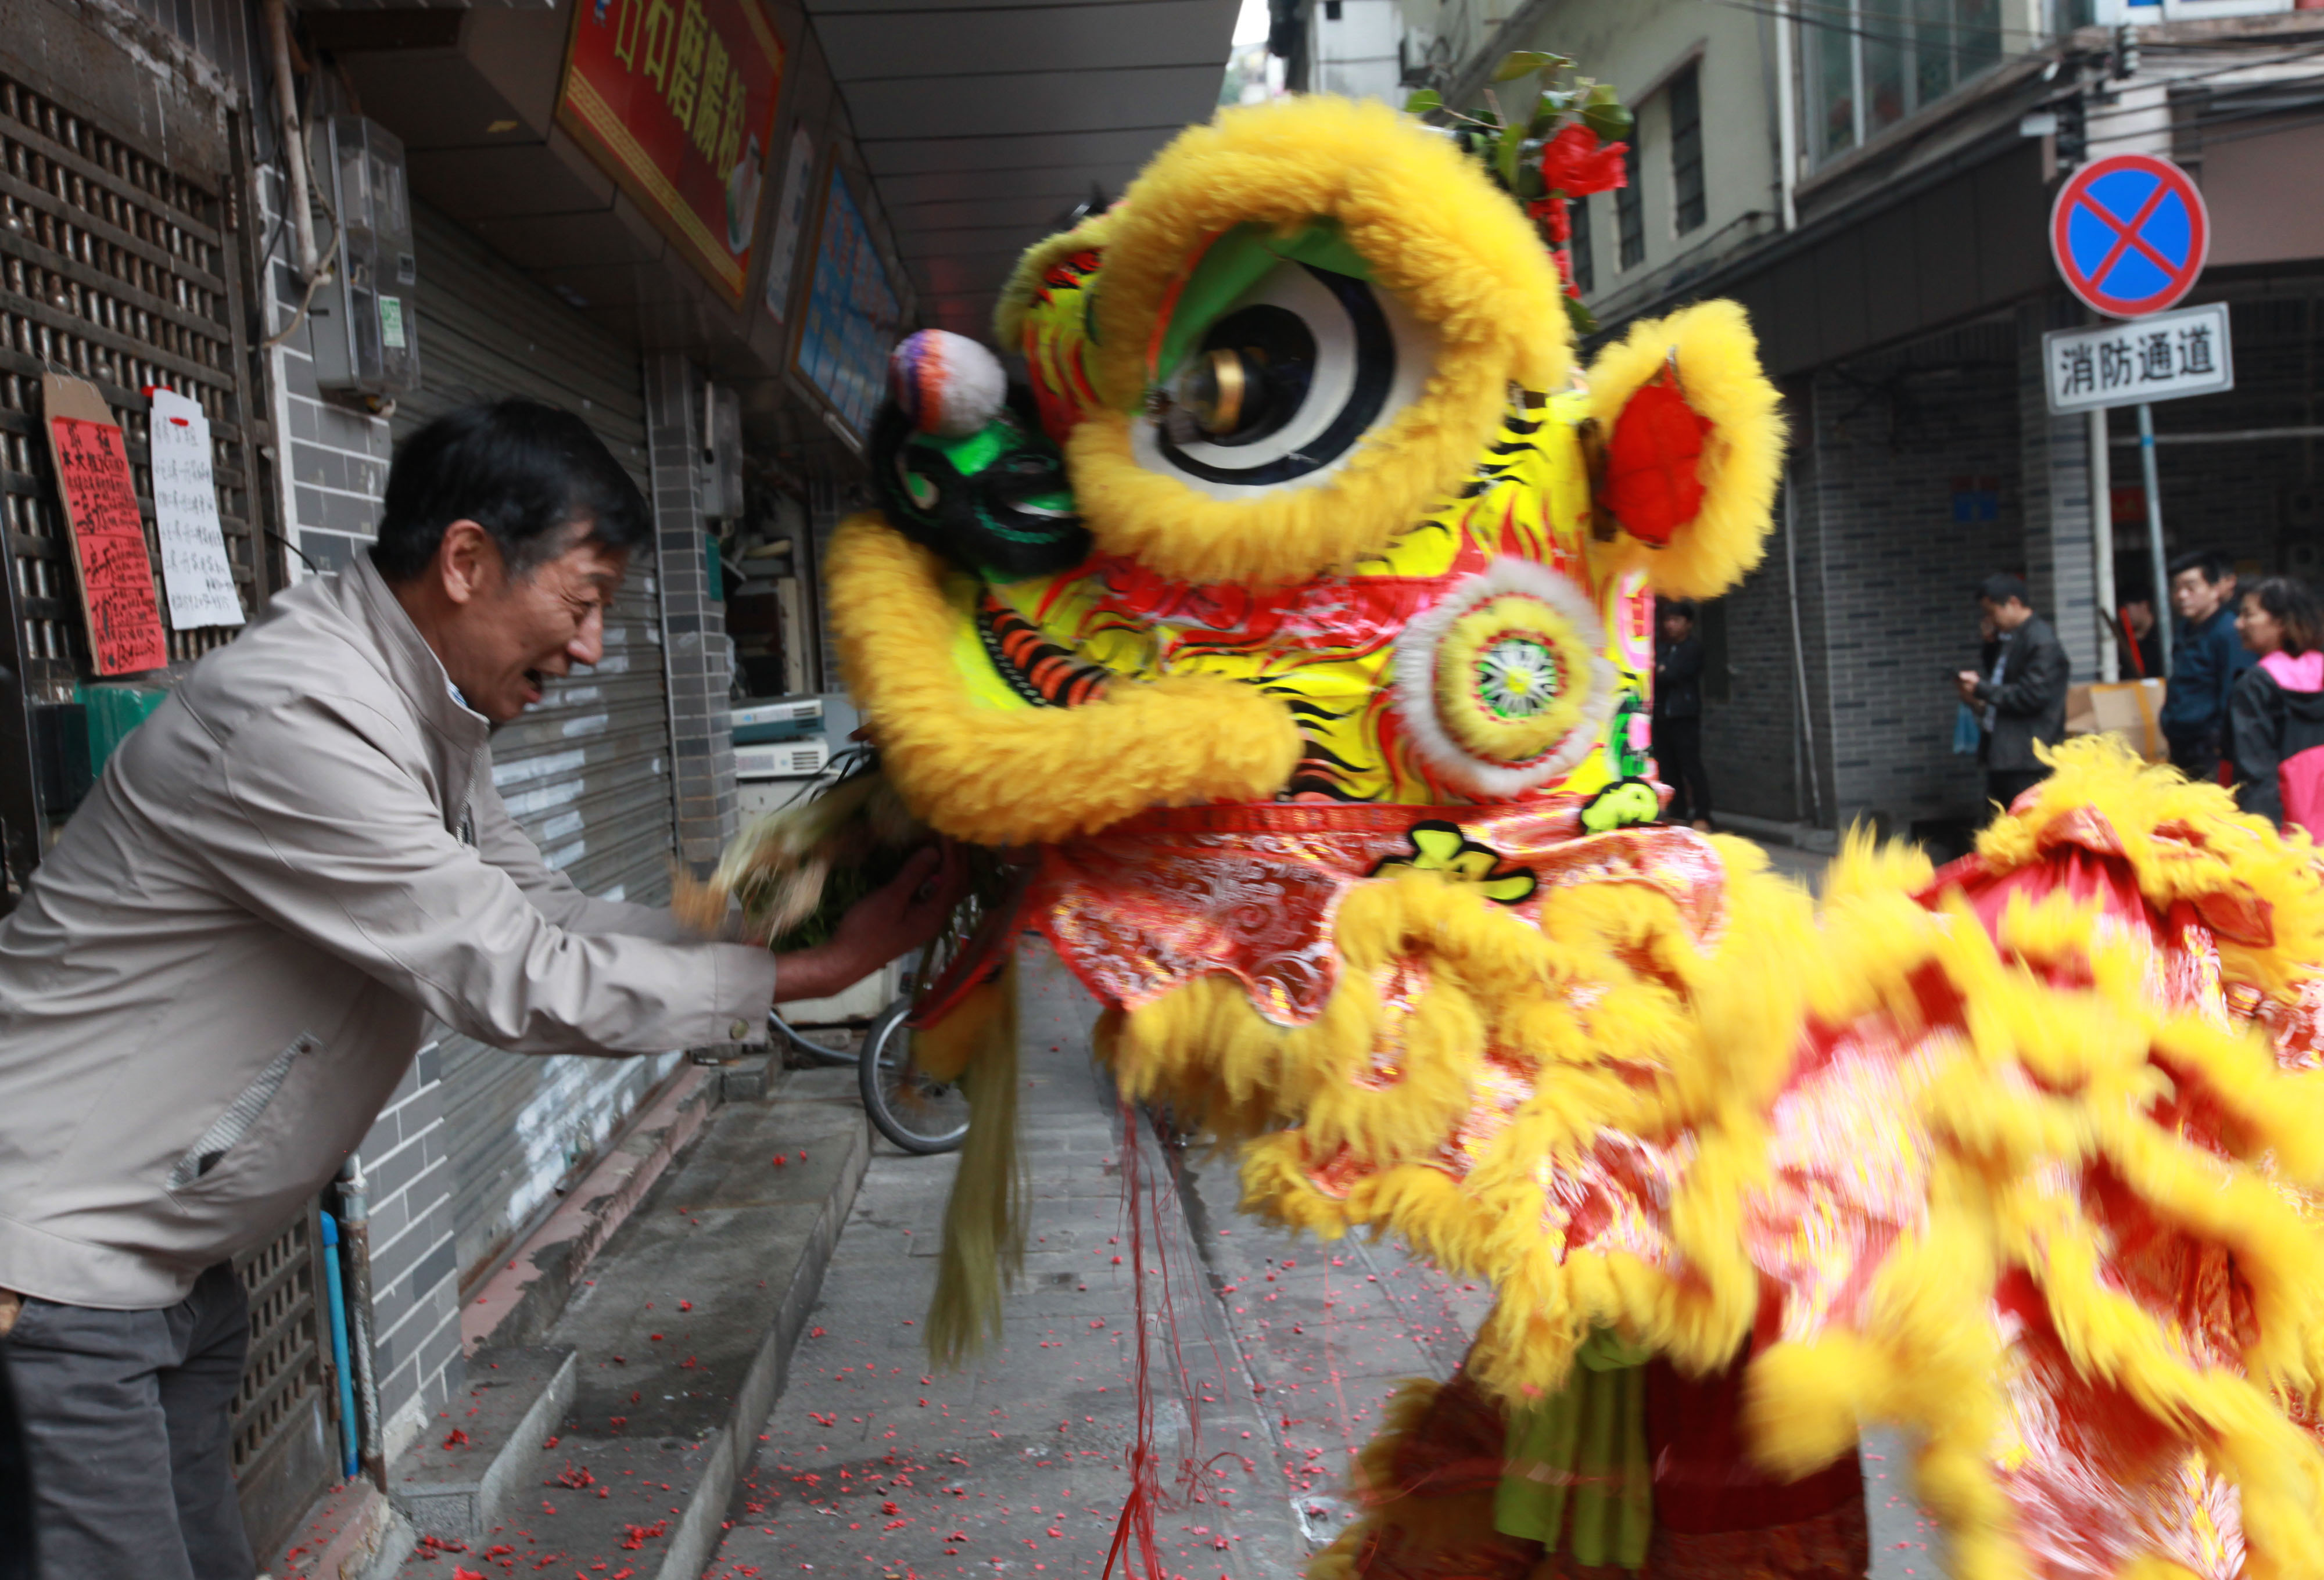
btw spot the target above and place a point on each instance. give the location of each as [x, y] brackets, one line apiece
[1284, 385]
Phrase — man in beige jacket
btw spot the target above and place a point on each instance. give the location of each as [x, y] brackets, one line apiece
[219, 974]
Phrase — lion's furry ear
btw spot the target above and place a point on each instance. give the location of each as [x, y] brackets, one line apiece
[1717, 363]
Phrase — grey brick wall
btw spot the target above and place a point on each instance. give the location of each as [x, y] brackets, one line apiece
[696, 649]
[2061, 529]
[1913, 473]
[1908, 467]
[335, 460]
[1752, 749]
[334, 475]
[414, 1268]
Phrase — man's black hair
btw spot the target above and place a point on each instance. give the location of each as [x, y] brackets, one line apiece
[1682, 606]
[520, 470]
[2001, 587]
[2214, 562]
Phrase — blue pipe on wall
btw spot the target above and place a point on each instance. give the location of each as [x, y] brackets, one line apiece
[348, 1450]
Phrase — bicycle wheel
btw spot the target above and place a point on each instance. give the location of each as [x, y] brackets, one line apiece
[919, 1114]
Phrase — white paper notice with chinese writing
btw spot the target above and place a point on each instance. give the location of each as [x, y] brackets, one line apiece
[2163, 356]
[194, 569]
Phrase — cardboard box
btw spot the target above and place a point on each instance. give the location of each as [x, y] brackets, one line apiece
[2130, 708]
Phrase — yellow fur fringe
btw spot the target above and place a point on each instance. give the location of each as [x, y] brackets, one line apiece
[984, 1220]
[1016, 777]
[1667, 1034]
[1743, 456]
[1452, 248]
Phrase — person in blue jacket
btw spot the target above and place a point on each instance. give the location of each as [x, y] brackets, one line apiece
[2206, 658]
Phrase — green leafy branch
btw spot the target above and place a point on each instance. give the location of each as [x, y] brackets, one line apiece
[1512, 146]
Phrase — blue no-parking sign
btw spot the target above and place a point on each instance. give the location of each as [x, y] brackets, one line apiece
[2129, 232]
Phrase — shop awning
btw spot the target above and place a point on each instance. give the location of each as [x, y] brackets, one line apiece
[984, 125]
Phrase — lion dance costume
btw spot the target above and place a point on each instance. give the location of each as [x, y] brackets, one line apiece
[1301, 620]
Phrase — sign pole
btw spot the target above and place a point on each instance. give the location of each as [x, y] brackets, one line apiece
[2102, 540]
[2158, 561]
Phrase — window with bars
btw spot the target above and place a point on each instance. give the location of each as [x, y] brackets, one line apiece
[1585, 260]
[1629, 209]
[1686, 149]
[118, 268]
[1872, 63]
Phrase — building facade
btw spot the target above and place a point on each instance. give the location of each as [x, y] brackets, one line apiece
[152, 240]
[1874, 182]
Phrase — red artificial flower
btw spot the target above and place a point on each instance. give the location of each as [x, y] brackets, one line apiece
[1576, 163]
[1555, 221]
[1564, 257]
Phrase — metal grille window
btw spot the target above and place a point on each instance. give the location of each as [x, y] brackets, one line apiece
[1872, 63]
[1585, 258]
[1629, 209]
[120, 270]
[287, 1408]
[1686, 149]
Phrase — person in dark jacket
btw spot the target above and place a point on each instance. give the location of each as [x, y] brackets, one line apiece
[2021, 698]
[1678, 713]
[2205, 657]
[2278, 705]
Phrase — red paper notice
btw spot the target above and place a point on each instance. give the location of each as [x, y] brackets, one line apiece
[117, 579]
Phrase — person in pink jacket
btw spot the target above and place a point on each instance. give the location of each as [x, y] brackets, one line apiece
[2277, 711]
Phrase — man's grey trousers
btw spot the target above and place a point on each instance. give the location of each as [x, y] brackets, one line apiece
[125, 1426]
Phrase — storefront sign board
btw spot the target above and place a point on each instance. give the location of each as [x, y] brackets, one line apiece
[675, 100]
[851, 318]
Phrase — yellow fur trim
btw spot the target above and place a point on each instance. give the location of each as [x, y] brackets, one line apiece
[1386, 1074]
[1438, 235]
[984, 1220]
[2147, 805]
[1468, 649]
[2068, 1057]
[1743, 454]
[966, 768]
[942, 1051]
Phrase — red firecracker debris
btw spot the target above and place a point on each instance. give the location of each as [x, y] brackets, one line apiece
[636, 1536]
[458, 1439]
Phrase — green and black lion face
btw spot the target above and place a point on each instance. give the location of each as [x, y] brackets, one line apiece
[994, 501]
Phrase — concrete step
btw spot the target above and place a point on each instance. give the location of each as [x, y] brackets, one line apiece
[682, 1332]
[468, 1472]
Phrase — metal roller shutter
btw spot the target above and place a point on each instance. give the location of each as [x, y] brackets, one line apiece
[587, 772]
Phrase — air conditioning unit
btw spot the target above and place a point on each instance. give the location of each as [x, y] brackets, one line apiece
[790, 710]
[785, 759]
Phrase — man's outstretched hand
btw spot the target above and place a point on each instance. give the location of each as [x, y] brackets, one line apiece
[902, 915]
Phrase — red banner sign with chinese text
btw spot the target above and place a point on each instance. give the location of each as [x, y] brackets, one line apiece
[117, 577]
[676, 100]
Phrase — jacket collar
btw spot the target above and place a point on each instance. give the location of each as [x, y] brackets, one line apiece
[411, 662]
